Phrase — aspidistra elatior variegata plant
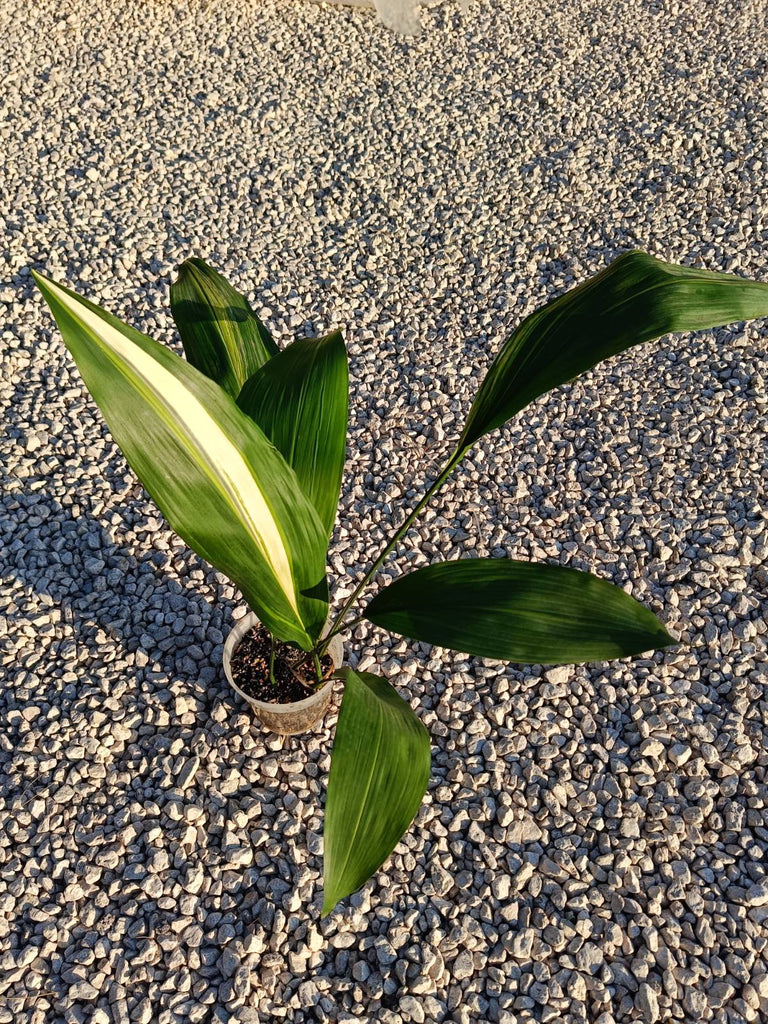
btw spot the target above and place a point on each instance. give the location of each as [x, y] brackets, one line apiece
[241, 445]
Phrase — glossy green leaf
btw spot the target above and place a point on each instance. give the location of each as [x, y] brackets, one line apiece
[217, 479]
[379, 774]
[222, 336]
[525, 612]
[299, 399]
[635, 299]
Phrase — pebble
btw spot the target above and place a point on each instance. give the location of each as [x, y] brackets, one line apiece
[186, 774]
[463, 966]
[412, 1009]
[522, 944]
[720, 993]
[647, 1003]
[651, 748]
[524, 831]
[193, 883]
[523, 874]
[560, 674]
[757, 894]
[679, 754]
[83, 990]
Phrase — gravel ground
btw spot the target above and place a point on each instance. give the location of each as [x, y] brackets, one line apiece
[593, 844]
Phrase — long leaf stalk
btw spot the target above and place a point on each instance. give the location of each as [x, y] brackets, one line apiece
[318, 667]
[336, 625]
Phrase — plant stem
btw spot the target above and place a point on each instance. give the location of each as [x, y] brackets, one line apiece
[336, 624]
[272, 660]
[318, 667]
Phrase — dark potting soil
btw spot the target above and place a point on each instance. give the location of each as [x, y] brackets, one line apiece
[250, 669]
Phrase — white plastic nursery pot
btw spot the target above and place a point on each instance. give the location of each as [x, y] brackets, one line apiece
[285, 719]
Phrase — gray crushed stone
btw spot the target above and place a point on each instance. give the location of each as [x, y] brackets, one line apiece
[593, 844]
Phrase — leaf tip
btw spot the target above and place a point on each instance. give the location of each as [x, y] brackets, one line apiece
[665, 639]
[46, 285]
[328, 904]
[191, 263]
[41, 280]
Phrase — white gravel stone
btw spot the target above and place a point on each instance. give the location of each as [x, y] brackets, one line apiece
[647, 1003]
[757, 895]
[524, 831]
[679, 754]
[83, 990]
[187, 773]
[463, 966]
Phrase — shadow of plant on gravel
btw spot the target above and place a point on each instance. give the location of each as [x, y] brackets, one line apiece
[125, 813]
[101, 587]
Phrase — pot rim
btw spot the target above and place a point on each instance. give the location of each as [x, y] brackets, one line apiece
[237, 632]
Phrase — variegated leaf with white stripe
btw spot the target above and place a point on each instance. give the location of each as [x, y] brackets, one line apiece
[217, 479]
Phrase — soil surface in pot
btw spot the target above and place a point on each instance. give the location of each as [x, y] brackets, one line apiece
[250, 669]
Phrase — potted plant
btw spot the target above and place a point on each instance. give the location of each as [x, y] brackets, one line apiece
[276, 681]
[241, 445]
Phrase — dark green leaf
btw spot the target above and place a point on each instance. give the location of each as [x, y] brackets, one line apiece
[379, 774]
[525, 612]
[635, 299]
[222, 336]
[299, 399]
